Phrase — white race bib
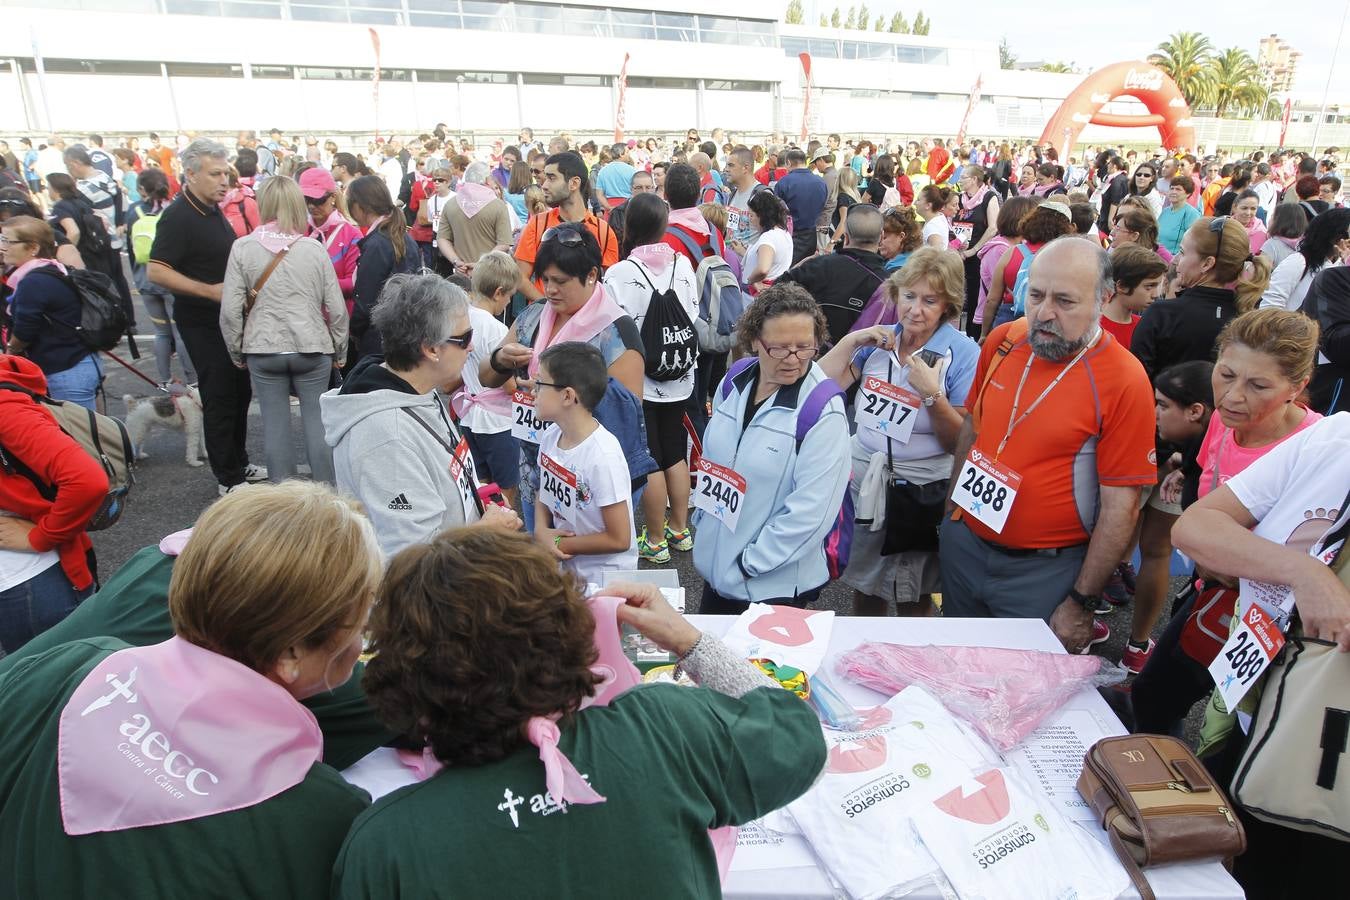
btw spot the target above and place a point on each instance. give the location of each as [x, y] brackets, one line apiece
[720, 492]
[986, 490]
[461, 465]
[1250, 648]
[963, 232]
[886, 409]
[559, 487]
[525, 425]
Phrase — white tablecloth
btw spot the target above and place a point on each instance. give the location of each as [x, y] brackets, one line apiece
[1051, 757]
[1084, 719]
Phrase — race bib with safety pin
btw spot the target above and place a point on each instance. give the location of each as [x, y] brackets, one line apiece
[720, 492]
[459, 470]
[525, 425]
[887, 409]
[986, 489]
[963, 232]
[559, 485]
[1250, 648]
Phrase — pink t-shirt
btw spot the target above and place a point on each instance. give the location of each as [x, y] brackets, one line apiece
[1219, 451]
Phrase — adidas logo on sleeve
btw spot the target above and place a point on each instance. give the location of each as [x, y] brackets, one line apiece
[400, 502]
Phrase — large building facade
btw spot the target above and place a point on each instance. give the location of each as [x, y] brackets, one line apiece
[308, 66]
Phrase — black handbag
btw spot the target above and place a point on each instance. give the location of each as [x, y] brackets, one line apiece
[913, 514]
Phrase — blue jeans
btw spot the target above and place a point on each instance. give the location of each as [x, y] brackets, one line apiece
[30, 608]
[78, 384]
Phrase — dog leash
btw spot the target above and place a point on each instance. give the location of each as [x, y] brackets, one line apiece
[135, 371]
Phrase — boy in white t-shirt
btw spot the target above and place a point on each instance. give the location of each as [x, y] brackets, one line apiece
[583, 510]
[485, 413]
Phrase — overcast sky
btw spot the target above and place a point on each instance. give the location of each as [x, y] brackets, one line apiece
[1034, 29]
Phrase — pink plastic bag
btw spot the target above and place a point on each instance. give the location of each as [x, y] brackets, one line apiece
[1003, 693]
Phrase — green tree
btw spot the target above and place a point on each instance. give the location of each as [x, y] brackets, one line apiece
[881, 24]
[864, 16]
[851, 22]
[1006, 59]
[921, 23]
[1232, 80]
[1054, 67]
[899, 25]
[793, 16]
[1185, 57]
[835, 18]
[824, 21]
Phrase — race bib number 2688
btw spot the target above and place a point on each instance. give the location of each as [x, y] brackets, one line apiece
[986, 490]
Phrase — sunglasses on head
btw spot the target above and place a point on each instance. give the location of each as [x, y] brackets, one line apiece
[568, 237]
[1216, 226]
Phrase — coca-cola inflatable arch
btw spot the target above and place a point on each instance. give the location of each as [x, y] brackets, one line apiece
[1167, 109]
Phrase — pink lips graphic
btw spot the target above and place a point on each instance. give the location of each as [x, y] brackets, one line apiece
[985, 806]
[863, 755]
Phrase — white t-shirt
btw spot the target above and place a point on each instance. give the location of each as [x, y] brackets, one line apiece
[576, 485]
[940, 226]
[738, 216]
[436, 205]
[1296, 490]
[16, 566]
[629, 283]
[780, 242]
[488, 332]
[1267, 195]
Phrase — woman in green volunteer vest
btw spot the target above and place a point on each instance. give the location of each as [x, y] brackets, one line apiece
[189, 768]
[487, 653]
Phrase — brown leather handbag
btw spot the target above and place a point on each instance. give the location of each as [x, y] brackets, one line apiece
[1158, 804]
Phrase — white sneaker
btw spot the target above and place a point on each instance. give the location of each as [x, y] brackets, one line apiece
[223, 489]
[255, 472]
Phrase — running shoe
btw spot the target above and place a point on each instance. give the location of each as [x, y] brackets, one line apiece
[1118, 591]
[1127, 575]
[682, 541]
[1100, 606]
[1100, 634]
[1134, 658]
[655, 553]
[223, 489]
[254, 472]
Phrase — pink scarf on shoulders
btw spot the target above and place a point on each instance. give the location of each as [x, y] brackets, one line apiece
[594, 316]
[472, 198]
[174, 732]
[969, 203]
[12, 280]
[273, 239]
[656, 257]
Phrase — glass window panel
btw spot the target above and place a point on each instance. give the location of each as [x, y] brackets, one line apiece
[486, 16]
[755, 34]
[317, 14]
[378, 4]
[585, 21]
[825, 49]
[429, 20]
[717, 30]
[252, 10]
[675, 27]
[795, 46]
[632, 24]
[192, 7]
[205, 70]
[909, 54]
[436, 6]
[540, 78]
[272, 71]
[374, 17]
[935, 56]
[538, 18]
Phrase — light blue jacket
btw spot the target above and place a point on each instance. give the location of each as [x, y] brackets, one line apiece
[791, 499]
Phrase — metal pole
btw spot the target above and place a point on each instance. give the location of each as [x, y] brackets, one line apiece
[173, 98]
[22, 85]
[42, 81]
[1326, 92]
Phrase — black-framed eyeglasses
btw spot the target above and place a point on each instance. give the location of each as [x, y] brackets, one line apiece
[568, 237]
[460, 340]
[538, 384]
[785, 352]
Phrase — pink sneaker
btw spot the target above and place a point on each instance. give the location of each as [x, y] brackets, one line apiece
[1135, 659]
[1100, 633]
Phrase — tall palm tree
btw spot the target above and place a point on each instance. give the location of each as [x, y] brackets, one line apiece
[1184, 56]
[1232, 79]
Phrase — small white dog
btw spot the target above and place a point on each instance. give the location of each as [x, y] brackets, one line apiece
[182, 411]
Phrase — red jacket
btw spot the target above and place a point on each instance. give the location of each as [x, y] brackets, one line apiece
[30, 435]
[938, 158]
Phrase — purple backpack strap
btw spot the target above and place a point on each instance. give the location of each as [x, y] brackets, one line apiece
[736, 368]
[815, 404]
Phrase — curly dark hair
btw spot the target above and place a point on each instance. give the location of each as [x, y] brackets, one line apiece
[903, 220]
[475, 633]
[786, 299]
[1041, 226]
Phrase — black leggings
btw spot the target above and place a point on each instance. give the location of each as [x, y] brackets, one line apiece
[714, 604]
[1172, 682]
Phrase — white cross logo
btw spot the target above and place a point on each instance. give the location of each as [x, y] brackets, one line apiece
[509, 807]
[120, 689]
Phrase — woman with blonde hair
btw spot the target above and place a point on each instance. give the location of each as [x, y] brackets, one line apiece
[848, 196]
[121, 761]
[283, 317]
[900, 470]
[1219, 277]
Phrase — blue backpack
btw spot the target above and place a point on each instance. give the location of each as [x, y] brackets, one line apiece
[720, 298]
[1019, 291]
[839, 540]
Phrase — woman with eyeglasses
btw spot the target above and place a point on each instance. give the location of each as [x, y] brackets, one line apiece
[767, 498]
[1134, 224]
[395, 447]
[1144, 183]
[575, 307]
[14, 202]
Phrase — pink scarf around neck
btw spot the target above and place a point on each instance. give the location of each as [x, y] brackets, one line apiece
[472, 198]
[969, 203]
[13, 279]
[656, 257]
[273, 239]
[594, 316]
[174, 732]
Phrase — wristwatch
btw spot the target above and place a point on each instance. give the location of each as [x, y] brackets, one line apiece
[932, 398]
[1083, 599]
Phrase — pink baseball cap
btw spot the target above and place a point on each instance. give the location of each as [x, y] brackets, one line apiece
[317, 183]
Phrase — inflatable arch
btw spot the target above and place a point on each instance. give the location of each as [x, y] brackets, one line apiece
[1153, 87]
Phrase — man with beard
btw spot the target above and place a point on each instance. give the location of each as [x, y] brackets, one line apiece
[567, 190]
[1054, 450]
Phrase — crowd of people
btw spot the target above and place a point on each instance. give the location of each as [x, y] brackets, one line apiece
[961, 378]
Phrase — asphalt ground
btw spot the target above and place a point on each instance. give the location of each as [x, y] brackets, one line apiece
[169, 495]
